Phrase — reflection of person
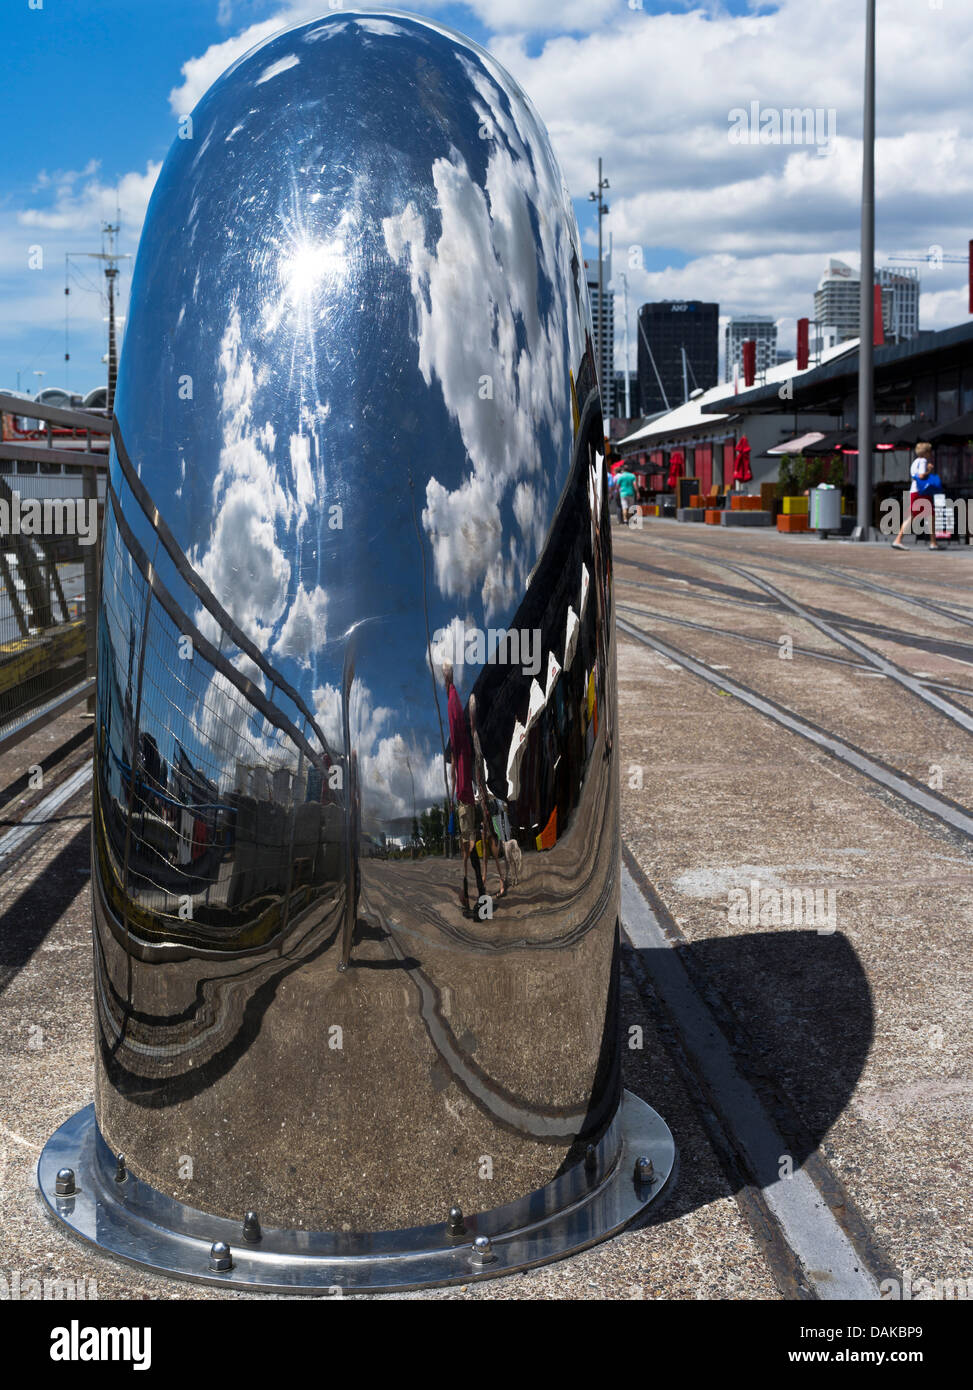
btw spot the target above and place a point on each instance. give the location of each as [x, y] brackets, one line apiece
[491, 845]
[920, 467]
[461, 783]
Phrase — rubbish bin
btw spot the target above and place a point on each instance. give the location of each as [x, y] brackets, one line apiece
[357, 582]
[825, 508]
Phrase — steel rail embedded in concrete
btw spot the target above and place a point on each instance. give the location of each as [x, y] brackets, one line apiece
[833, 1268]
[946, 811]
[16, 839]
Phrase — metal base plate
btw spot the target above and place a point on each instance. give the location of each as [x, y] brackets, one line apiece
[138, 1224]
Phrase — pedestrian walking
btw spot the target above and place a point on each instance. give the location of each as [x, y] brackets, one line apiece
[461, 785]
[626, 493]
[917, 470]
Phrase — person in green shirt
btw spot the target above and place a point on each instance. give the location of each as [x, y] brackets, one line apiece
[626, 492]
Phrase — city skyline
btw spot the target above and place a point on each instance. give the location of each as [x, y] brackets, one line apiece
[695, 211]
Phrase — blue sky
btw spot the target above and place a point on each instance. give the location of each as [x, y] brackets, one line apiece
[92, 91]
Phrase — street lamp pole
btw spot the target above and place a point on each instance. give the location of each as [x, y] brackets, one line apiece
[628, 397]
[597, 197]
[866, 310]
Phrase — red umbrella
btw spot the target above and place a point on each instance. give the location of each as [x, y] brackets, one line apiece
[676, 461]
[741, 461]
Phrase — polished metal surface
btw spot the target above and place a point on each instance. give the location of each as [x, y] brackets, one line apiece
[357, 437]
[143, 1227]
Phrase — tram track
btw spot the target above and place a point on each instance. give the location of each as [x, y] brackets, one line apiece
[848, 578]
[814, 1239]
[948, 708]
[771, 645]
[881, 663]
[812, 1233]
[959, 652]
[39, 797]
[949, 814]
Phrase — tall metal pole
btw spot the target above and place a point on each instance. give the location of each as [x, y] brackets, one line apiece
[111, 259]
[866, 312]
[628, 394]
[111, 273]
[598, 197]
[601, 287]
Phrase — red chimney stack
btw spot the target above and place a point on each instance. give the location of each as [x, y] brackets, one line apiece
[749, 361]
[803, 352]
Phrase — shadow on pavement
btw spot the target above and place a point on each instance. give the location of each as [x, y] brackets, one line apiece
[25, 922]
[796, 1010]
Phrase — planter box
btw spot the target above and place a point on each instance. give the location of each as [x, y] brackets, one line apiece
[742, 502]
[690, 514]
[792, 523]
[712, 518]
[747, 518]
[794, 506]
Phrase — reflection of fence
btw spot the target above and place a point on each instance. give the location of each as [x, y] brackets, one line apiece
[51, 504]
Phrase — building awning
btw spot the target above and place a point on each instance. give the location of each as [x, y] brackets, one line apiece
[832, 442]
[957, 431]
[798, 445]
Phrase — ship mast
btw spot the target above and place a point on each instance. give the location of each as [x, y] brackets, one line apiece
[111, 257]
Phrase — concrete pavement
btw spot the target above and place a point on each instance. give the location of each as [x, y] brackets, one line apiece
[820, 913]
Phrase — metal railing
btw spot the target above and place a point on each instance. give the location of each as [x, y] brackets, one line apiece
[52, 492]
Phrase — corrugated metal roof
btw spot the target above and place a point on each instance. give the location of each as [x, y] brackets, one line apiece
[692, 413]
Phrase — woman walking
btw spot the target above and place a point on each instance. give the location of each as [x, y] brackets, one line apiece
[920, 466]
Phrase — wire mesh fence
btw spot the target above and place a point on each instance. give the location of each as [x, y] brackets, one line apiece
[51, 504]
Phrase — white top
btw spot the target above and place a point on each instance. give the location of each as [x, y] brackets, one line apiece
[916, 470]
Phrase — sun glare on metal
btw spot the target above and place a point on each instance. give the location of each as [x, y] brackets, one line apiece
[311, 267]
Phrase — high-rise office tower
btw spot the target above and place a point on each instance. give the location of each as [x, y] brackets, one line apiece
[758, 328]
[678, 345]
[603, 332]
[836, 302]
[902, 286]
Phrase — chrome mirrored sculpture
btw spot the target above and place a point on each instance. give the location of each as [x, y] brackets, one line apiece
[356, 843]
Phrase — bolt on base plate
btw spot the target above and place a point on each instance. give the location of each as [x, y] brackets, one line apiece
[135, 1223]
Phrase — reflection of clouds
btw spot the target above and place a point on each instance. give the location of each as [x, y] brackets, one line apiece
[301, 469]
[387, 782]
[244, 563]
[529, 515]
[275, 69]
[232, 732]
[244, 566]
[304, 627]
[365, 719]
[477, 295]
[466, 532]
[384, 757]
[378, 26]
